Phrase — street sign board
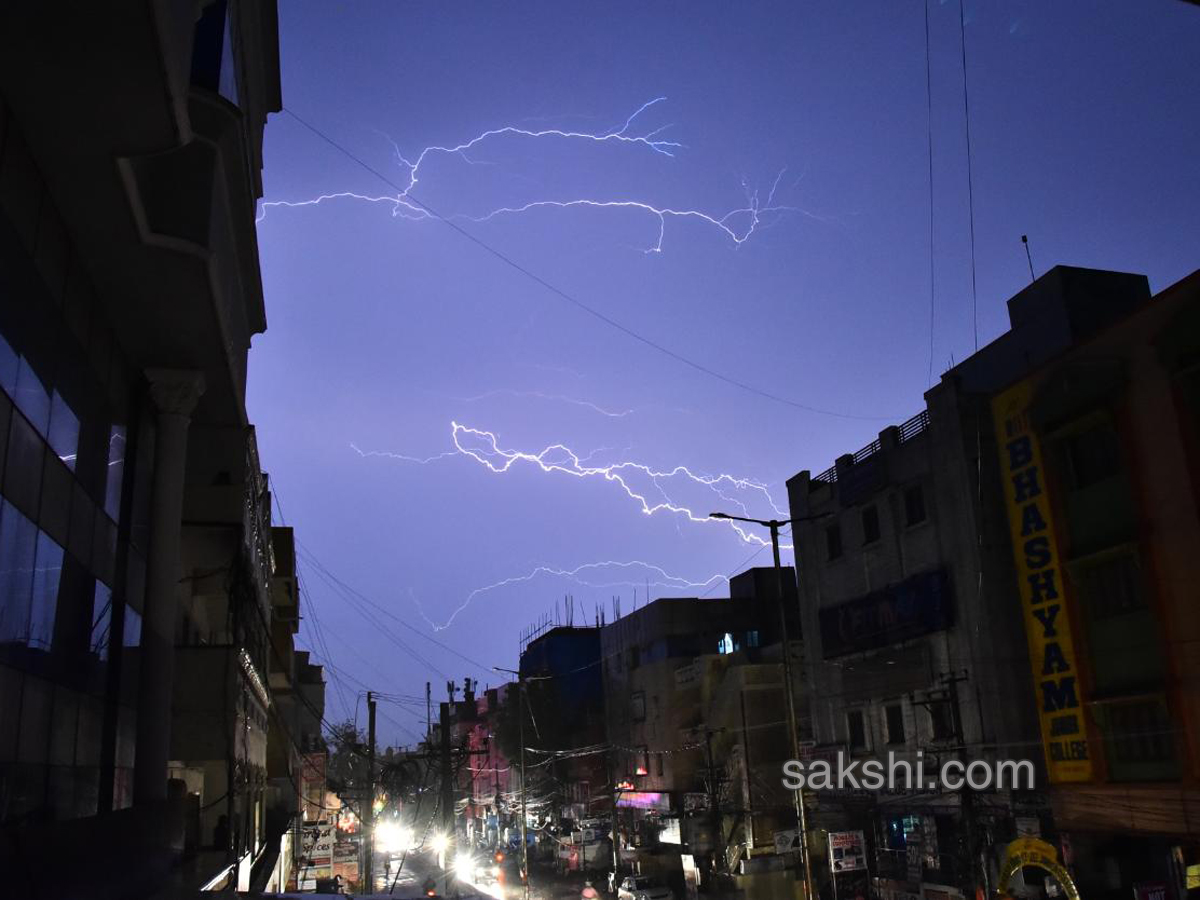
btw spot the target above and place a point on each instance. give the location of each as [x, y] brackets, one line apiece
[847, 851]
[787, 840]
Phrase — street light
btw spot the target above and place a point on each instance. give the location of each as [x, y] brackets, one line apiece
[524, 792]
[798, 795]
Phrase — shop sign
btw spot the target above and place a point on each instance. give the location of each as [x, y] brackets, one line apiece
[1150, 890]
[847, 851]
[1058, 690]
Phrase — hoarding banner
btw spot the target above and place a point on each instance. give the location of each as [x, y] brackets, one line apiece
[1039, 577]
[847, 851]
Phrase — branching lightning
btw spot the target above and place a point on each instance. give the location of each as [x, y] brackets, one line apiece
[737, 224]
[483, 447]
[659, 578]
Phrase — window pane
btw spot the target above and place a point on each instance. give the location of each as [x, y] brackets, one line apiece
[855, 726]
[870, 523]
[833, 541]
[914, 505]
[32, 398]
[116, 472]
[46, 576]
[133, 628]
[64, 430]
[9, 363]
[18, 546]
[101, 620]
[895, 724]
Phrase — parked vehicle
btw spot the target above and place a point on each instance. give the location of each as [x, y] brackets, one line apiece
[643, 887]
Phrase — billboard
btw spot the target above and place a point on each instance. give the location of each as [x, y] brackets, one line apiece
[1041, 585]
[847, 851]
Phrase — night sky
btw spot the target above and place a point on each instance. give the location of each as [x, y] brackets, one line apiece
[385, 326]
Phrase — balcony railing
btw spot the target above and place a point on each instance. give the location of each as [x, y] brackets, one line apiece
[909, 430]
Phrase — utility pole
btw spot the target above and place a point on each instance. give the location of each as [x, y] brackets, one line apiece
[789, 688]
[447, 779]
[610, 772]
[714, 805]
[524, 790]
[369, 804]
[952, 680]
[428, 712]
[524, 794]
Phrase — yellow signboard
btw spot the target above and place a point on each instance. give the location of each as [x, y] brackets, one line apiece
[1029, 851]
[1040, 579]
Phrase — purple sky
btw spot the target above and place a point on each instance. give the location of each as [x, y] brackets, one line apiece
[383, 330]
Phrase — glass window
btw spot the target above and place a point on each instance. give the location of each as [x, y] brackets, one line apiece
[1111, 588]
[941, 723]
[47, 572]
[1092, 456]
[856, 731]
[63, 434]
[9, 363]
[637, 707]
[212, 52]
[133, 628]
[116, 472]
[833, 542]
[914, 505]
[32, 398]
[894, 715]
[1140, 731]
[101, 620]
[870, 524]
[18, 548]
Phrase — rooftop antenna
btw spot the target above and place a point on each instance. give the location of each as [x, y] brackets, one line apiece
[1028, 256]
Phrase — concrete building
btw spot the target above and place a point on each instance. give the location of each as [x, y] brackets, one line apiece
[911, 614]
[1100, 465]
[696, 716]
[130, 158]
[567, 689]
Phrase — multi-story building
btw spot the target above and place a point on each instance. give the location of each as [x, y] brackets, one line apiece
[910, 602]
[564, 687]
[486, 776]
[697, 723]
[131, 289]
[1100, 469]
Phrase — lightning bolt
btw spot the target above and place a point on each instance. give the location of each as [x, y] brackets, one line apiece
[483, 447]
[737, 224]
[421, 461]
[661, 578]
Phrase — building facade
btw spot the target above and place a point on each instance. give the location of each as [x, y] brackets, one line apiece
[1100, 467]
[134, 508]
[911, 603]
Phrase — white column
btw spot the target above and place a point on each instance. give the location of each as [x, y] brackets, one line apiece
[175, 393]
